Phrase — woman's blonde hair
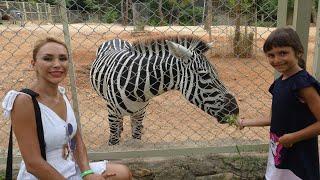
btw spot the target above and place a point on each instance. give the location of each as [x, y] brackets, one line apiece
[42, 42]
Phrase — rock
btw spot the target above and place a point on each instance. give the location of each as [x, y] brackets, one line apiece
[142, 172]
[175, 173]
[220, 176]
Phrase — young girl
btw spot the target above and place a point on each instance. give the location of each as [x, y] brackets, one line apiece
[50, 62]
[295, 113]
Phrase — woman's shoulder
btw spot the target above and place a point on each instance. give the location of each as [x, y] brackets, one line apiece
[14, 97]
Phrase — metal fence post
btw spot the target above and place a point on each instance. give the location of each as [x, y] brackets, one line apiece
[64, 18]
[316, 58]
[301, 22]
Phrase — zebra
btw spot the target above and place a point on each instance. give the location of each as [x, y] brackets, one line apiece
[128, 75]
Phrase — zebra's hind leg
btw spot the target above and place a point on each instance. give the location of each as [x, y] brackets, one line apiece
[136, 124]
[116, 127]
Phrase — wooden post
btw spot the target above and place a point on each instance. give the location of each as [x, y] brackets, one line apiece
[281, 20]
[282, 13]
[301, 22]
[237, 33]
[38, 12]
[208, 23]
[316, 58]
[24, 12]
[49, 13]
[72, 76]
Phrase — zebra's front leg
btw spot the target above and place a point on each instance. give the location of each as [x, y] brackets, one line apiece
[136, 124]
[116, 127]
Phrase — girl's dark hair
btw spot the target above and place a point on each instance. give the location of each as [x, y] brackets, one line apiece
[42, 42]
[286, 36]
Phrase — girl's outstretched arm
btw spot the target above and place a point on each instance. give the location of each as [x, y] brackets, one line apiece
[310, 96]
[264, 121]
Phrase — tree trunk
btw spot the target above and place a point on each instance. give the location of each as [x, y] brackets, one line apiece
[177, 13]
[124, 11]
[171, 18]
[193, 13]
[130, 7]
[314, 13]
[161, 13]
[208, 23]
[236, 42]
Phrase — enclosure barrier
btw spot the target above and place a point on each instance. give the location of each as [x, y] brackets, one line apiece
[172, 125]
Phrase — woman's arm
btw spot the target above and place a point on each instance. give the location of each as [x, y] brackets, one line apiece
[312, 98]
[80, 153]
[82, 159]
[24, 128]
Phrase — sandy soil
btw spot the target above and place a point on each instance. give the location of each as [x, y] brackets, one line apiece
[171, 121]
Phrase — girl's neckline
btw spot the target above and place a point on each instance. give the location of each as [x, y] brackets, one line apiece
[281, 77]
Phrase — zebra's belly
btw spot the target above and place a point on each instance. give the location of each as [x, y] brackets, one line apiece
[125, 106]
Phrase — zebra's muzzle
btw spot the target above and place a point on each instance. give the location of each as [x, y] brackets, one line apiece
[231, 108]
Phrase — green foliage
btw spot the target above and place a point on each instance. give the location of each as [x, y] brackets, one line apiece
[111, 16]
[230, 119]
[187, 15]
[265, 8]
[245, 4]
[266, 23]
[179, 2]
[91, 5]
[155, 21]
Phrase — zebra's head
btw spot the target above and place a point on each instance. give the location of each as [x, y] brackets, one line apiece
[200, 83]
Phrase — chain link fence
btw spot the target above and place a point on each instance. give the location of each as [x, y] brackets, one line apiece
[237, 30]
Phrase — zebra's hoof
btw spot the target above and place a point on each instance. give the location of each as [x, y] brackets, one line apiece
[136, 137]
[111, 143]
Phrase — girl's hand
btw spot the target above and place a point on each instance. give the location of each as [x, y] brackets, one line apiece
[286, 140]
[239, 124]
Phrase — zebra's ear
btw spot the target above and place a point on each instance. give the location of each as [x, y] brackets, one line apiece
[179, 51]
[210, 45]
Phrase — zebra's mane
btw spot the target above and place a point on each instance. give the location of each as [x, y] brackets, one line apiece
[191, 42]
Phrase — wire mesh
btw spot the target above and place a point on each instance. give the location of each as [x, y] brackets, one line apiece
[237, 30]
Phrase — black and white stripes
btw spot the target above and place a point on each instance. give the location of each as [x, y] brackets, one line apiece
[128, 76]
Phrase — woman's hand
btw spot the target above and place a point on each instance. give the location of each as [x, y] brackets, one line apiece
[103, 176]
[93, 177]
[286, 140]
[107, 175]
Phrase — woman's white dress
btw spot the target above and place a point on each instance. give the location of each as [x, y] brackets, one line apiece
[55, 135]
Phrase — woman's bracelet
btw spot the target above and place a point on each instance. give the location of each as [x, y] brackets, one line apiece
[86, 172]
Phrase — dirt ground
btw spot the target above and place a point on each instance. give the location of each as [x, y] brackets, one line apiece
[171, 121]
